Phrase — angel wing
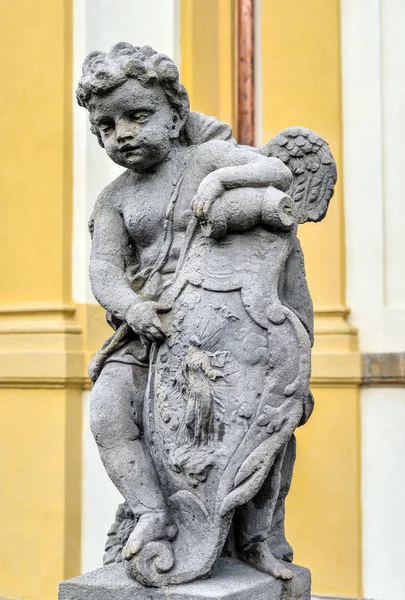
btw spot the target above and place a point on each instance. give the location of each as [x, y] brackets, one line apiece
[310, 160]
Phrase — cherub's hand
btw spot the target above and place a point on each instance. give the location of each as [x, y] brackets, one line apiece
[143, 318]
[208, 191]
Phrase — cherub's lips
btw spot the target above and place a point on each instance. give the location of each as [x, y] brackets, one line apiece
[128, 149]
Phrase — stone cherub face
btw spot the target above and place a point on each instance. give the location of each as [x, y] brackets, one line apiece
[137, 125]
[136, 104]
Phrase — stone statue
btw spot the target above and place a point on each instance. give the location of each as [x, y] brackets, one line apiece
[196, 260]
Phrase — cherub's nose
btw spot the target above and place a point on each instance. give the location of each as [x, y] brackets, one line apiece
[124, 133]
[125, 136]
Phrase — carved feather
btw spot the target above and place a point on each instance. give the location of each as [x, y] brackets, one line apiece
[310, 160]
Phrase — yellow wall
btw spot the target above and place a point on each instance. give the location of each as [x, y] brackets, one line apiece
[36, 153]
[208, 57]
[40, 499]
[323, 508]
[301, 85]
[41, 361]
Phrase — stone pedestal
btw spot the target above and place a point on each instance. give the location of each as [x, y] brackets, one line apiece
[230, 580]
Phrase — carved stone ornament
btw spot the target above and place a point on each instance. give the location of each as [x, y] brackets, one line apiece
[200, 388]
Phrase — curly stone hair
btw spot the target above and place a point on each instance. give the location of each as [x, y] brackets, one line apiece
[103, 72]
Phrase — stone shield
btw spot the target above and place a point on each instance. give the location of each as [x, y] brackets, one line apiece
[225, 393]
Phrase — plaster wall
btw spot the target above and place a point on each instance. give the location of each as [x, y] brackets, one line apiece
[373, 55]
[383, 490]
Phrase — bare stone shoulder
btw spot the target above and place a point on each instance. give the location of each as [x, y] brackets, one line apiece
[112, 196]
[115, 192]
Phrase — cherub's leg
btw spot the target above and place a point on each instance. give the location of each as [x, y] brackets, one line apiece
[115, 420]
[252, 525]
[279, 546]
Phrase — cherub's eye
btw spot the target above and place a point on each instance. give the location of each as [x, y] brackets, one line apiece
[139, 117]
[106, 126]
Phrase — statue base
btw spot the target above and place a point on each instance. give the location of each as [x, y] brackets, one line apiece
[230, 580]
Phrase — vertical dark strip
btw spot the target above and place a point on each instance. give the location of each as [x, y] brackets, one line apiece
[246, 83]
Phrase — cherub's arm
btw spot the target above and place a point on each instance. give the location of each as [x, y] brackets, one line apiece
[110, 244]
[232, 167]
[238, 167]
[109, 283]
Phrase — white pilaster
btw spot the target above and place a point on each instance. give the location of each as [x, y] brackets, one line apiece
[373, 58]
[373, 55]
[98, 25]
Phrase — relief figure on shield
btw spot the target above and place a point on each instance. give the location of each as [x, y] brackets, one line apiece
[195, 258]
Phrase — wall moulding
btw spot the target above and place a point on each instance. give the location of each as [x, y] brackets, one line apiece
[38, 318]
[41, 346]
[336, 359]
[332, 329]
[384, 368]
[50, 345]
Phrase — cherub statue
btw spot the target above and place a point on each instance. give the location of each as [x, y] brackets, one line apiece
[195, 258]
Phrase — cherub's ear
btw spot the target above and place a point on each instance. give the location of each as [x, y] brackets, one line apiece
[96, 131]
[177, 124]
[309, 159]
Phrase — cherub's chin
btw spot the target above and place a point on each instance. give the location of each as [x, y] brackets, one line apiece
[134, 159]
[132, 162]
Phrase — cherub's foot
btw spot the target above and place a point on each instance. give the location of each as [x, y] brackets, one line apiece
[282, 551]
[150, 527]
[260, 557]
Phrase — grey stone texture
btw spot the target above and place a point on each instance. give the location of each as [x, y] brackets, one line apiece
[230, 580]
[199, 390]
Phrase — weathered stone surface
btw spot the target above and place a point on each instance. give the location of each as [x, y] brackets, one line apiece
[195, 258]
[231, 580]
